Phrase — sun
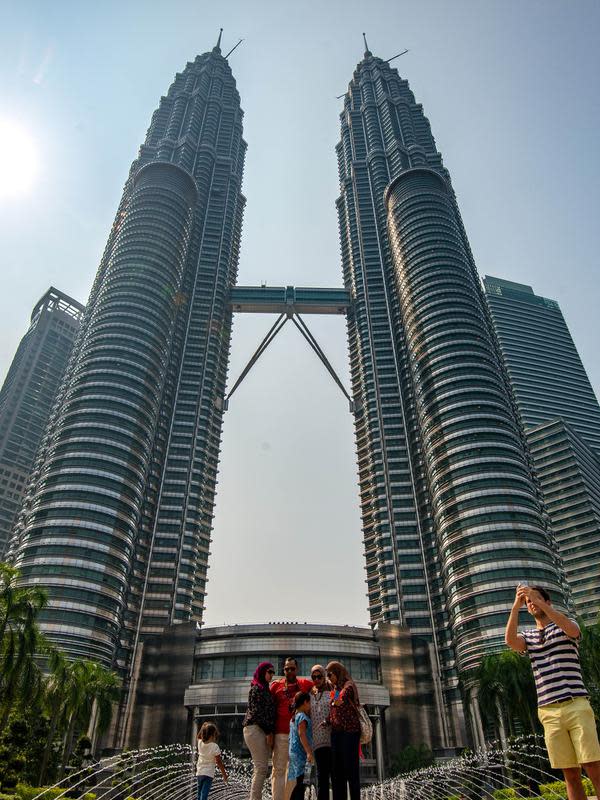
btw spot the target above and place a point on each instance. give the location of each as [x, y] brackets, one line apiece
[18, 159]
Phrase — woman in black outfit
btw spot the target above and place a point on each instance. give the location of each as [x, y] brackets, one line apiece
[259, 726]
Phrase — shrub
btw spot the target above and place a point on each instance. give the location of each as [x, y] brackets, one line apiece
[551, 791]
[558, 789]
[25, 792]
[513, 793]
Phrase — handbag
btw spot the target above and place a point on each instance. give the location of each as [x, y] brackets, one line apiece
[366, 726]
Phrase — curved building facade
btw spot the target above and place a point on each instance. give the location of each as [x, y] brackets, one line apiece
[118, 514]
[452, 519]
[486, 512]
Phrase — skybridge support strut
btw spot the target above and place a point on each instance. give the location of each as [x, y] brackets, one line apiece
[308, 336]
[273, 331]
[303, 328]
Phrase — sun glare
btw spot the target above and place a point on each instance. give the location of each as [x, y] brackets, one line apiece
[18, 159]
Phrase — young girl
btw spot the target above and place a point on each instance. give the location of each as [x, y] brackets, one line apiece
[209, 757]
[300, 746]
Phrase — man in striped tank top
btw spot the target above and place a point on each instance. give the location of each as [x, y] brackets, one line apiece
[563, 702]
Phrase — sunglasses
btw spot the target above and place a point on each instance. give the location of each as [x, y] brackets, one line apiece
[270, 671]
[316, 675]
[289, 669]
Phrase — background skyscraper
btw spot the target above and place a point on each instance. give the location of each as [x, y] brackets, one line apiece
[118, 519]
[562, 420]
[546, 372]
[28, 394]
[451, 518]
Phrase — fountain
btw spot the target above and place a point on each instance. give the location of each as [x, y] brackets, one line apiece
[167, 773]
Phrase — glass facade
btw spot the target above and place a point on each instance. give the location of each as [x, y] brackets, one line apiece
[562, 419]
[569, 474]
[28, 394]
[118, 516]
[546, 372]
[243, 666]
[451, 516]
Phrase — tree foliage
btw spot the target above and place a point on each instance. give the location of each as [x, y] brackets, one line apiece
[506, 692]
[46, 700]
[589, 653]
[411, 758]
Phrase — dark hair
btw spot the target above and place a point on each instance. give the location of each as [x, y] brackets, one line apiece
[208, 731]
[340, 672]
[300, 699]
[291, 658]
[544, 592]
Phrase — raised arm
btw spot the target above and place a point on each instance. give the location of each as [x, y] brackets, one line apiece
[511, 637]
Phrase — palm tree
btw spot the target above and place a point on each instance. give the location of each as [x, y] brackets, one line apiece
[506, 691]
[54, 698]
[20, 641]
[589, 653]
[87, 684]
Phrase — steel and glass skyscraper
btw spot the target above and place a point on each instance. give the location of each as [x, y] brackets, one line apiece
[28, 394]
[546, 371]
[118, 517]
[451, 517]
[562, 422]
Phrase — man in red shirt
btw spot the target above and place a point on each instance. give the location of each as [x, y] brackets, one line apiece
[284, 690]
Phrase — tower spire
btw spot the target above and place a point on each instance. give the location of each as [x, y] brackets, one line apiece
[217, 47]
[367, 51]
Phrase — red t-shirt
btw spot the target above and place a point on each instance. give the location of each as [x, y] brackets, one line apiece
[284, 699]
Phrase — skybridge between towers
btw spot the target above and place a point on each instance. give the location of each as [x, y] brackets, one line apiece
[289, 303]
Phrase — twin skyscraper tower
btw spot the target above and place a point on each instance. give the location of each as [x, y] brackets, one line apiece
[118, 517]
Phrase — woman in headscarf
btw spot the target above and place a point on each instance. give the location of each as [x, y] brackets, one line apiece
[259, 725]
[345, 733]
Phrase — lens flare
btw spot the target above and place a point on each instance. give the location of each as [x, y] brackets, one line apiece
[18, 159]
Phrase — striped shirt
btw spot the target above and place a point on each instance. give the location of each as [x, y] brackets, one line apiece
[555, 662]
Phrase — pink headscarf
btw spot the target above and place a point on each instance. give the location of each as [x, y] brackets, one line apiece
[260, 678]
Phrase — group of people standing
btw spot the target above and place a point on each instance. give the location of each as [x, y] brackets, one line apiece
[293, 720]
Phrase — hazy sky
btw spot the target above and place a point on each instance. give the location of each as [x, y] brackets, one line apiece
[511, 90]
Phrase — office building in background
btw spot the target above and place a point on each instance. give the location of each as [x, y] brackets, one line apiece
[561, 416]
[28, 394]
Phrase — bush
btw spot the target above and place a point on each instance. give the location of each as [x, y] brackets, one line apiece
[25, 792]
[411, 758]
[558, 789]
[505, 794]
